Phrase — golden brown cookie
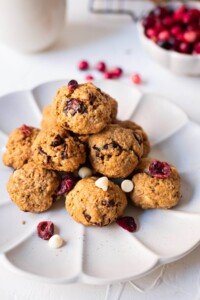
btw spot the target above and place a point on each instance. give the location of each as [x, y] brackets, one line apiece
[48, 119]
[114, 106]
[84, 110]
[156, 185]
[115, 151]
[58, 149]
[18, 148]
[90, 205]
[33, 188]
[137, 128]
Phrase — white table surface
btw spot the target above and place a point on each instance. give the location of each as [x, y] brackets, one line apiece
[114, 40]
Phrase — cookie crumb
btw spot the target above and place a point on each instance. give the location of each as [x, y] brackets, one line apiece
[23, 222]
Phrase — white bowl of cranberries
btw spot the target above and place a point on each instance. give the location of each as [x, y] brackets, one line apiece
[171, 35]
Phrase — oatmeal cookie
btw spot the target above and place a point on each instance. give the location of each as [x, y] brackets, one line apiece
[18, 148]
[58, 149]
[115, 152]
[33, 188]
[90, 205]
[156, 185]
[48, 119]
[137, 128]
[83, 110]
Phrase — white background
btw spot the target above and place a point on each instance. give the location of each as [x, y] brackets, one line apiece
[113, 40]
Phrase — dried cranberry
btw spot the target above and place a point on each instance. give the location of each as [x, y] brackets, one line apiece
[26, 130]
[72, 85]
[57, 141]
[87, 216]
[64, 154]
[83, 65]
[160, 169]
[45, 230]
[101, 66]
[74, 106]
[66, 185]
[128, 223]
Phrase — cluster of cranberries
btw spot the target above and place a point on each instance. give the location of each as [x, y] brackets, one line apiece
[101, 67]
[174, 29]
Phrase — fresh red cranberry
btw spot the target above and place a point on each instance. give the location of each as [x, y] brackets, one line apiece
[136, 79]
[89, 77]
[108, 75]
[72, 85]
[168, 21]
[151, 33]
[101, 66]
[179, 12]
[128, 223]
[26, 130]
[180, 37]
[45, 230]
[160, 11]
[117, 72]
[83, 65]
[190, 36]
[159, 27]
[184, 48]
[164, 35]
[187, 18]
[164, 44]
[160, 169]
[148, 22]
[196, 49]
[66, 185]
[175, 30]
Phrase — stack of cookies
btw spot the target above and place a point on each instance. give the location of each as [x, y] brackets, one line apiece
[79, 152]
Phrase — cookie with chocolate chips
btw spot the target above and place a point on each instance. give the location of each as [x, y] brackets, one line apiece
[91, 206]
[115, 151]
[58, 149]
[83, 109]
[137, 128]
[18, 148]
[32, 188]
[156, 185]
[48, 120]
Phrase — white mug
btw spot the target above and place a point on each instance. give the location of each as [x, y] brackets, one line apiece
[31, 25]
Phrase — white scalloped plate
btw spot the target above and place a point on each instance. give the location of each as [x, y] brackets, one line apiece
[108, 254]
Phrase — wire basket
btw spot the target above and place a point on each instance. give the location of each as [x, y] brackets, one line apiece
[122, 7]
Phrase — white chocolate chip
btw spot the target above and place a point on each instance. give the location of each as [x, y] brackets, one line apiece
[102, 183]
[55, 241]
[84, 172]
[127, 186]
